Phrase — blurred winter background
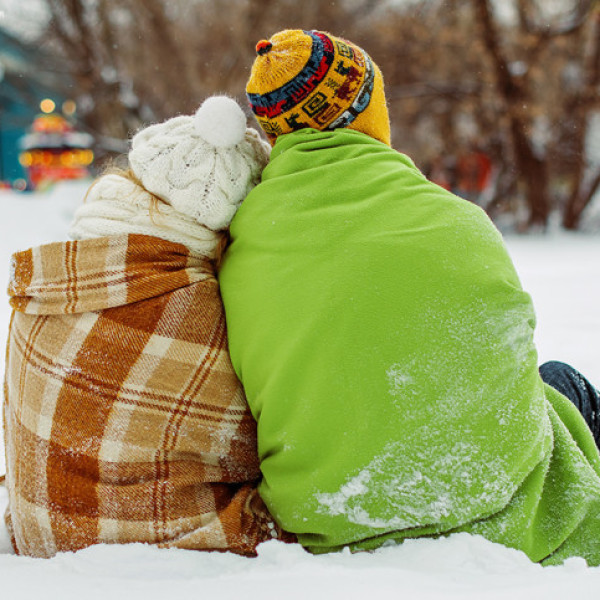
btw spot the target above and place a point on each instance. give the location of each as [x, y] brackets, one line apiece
[497, 100]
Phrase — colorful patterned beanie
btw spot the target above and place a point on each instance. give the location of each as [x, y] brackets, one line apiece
[313, 79]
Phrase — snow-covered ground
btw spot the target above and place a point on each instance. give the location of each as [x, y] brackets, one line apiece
[562, 273]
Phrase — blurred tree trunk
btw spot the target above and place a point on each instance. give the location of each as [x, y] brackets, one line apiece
[532, 169]
[81, 33]
[580, 106]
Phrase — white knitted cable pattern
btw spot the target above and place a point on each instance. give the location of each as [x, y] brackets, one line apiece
[207, 183]
[116, 205]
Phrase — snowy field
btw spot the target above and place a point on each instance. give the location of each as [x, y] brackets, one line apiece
[562, 273]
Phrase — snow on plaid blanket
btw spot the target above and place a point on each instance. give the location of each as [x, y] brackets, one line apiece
[124, 421]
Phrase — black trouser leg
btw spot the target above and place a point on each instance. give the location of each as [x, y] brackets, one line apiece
[578, 389]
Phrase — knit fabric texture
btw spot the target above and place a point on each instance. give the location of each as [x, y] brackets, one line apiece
[203, 179]
[124, 421]
[116, 205]
[312, 79]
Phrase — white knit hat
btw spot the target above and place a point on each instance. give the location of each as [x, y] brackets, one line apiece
[202, 165]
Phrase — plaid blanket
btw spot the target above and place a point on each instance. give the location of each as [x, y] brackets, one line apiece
[124, 421]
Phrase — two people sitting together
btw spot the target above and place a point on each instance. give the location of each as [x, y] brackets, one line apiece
[369, 375]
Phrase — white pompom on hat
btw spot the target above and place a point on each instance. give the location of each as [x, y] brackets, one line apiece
[220, 122]
[202, 165]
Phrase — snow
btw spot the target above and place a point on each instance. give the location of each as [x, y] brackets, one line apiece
[562, 273]
[415, 498]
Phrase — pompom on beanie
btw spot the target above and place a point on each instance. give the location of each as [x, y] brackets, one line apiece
[202, 165]
[312, 79]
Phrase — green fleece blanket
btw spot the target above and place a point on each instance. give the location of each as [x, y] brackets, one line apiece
[385, 345]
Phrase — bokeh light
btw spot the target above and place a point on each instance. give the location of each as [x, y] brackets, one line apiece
[69, 107]
[47, 105]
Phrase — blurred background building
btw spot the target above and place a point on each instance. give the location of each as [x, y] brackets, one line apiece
[497, 100]
[24, 84]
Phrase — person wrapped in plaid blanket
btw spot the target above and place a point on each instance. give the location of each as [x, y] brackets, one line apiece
[124, 420]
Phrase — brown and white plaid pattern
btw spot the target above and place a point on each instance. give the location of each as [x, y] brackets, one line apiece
[124, 420]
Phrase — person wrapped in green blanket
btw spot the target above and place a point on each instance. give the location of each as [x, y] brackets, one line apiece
[383, 337]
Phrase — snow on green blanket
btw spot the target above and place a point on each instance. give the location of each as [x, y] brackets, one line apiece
[385, 345]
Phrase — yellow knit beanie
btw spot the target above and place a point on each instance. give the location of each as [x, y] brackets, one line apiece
[313, 79]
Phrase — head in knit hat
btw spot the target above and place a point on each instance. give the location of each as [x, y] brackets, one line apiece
[202, 165]
[186, 178]
[312, 79]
